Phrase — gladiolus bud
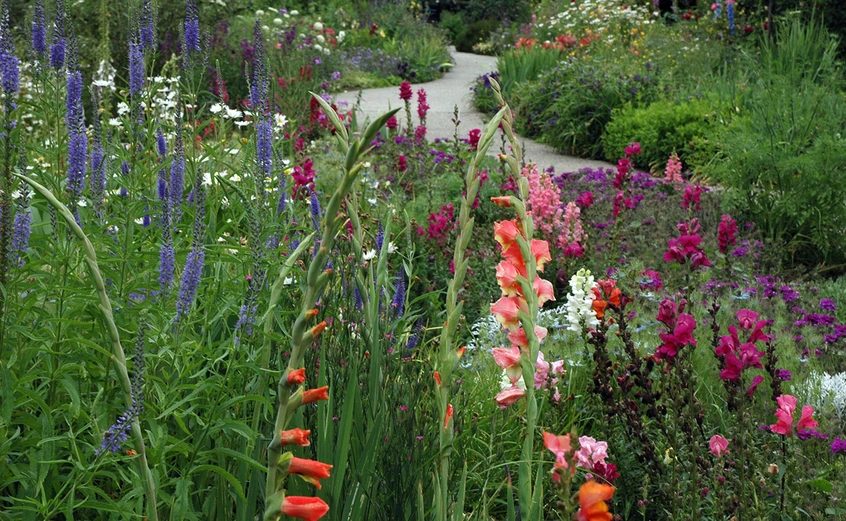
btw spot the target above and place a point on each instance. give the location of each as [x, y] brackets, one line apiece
[448, 415]
[295, 437]
[311, 313]
[503, 201]
[460, 352]
[313, 395]
[310, 470]
[306, 508]
[316, 330]
[437, 378]
[297, 376]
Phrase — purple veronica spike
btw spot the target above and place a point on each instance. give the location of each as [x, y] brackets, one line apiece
[77, 142]
[315, 211]
[264, 146]
[21, 230]
[58, 49]
[147, 30]
[192, 27]
[258, 86]
[177, 175]
[119, 432]
[98, 170]
[136, 69]
[161, 146]
[9, 69]
[190, 280]
[380, 237]
[161, 185]
[167, 257]
[39, 29]
[398, 303]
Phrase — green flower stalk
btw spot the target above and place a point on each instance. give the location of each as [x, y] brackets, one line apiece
[291, 393]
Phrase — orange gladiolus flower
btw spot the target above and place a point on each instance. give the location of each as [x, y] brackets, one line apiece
[540, 249]
[295, 436]
[506, 276]
[543, 288]
[313, 395]
[519, 336]
[297, 376]
[505, 232]
[448, 415]
[306, 508]
[316, 330]
[437, 377]
[310, 470]
[506, 310]
[592, 498]
[503, 200]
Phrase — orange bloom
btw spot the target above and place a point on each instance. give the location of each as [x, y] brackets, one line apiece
[506, 277]
[437, 376]
[599, 308]
[310, 470]
[295, 437]
[540, 249]
[592, 498]
[519, 337]
[316, 330]
[505, 232]
[297, 376]
[313, 395]
[306, 508]
[448, 415]
[503, 201]
[506, 309]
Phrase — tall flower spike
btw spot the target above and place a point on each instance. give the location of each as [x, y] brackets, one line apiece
[39, 29]
[192, 27]
[59, 47]
[147, 29]
[136, 68]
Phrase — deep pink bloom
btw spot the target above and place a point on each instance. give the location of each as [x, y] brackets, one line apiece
[667, 313]
[473, 138]
[402, 163]
[422, 106]
[585, 200]
[691, 198]
[392, 123]
[758, 380]
[726, 233]
[633, 149]
[624, 165]
[784, 414]
[719, 445]
[681, 336]
[405, 91]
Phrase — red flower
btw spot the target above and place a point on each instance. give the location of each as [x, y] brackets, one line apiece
[297, 376]
[313, 395]
[309, 469]
[306, 508]
[295, 437]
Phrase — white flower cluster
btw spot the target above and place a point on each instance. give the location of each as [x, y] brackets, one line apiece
[599, 15]
[827, 392]
[580, 302]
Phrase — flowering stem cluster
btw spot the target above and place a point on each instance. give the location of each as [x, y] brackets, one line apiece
[290, 391]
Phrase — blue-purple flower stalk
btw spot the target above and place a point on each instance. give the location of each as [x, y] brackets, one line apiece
[259, 83]
[196, 257]
[264, 146]
[161, 146]
[22, 227]
[147, 29]
[136, 69]
[191, 27]
[77, 140]
[39, 29]
[119, 432]
[59, 47]
[167, 256]
[177, 175]
[98, 167]
[398, 303]
[9, 63]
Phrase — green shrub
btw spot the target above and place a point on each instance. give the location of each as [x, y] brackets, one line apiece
[569, 107]
[521, 66]
[453, 24]
[662, 128]
[477, 32]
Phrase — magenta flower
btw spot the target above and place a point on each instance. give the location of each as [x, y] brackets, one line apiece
[784, 414]
[681, 336]
[727, 233]
[633, 149]
[406, 93]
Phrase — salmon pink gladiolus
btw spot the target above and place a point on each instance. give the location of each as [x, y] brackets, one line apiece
[310, 470]
[509, 359]
[506, 310]
[543, 289]
[505, 232]
[508, 396]
[306, 508]
[506, 277]
[540, 249]
[592, 498]
[519, 337]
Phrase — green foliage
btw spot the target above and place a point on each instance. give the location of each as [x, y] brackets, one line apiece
[662, 128]
[505, 10]
[522, 66]
[569, 106]
[476, 32]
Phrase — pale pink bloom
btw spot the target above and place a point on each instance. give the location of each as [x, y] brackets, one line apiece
[544, 201]
[519, 337]
[506, 309]
[572, 232]
[784, 414]
[591, 452]
[557, 395]
[509, 359]
[558, 367]
[673, 171]
[560, 446]
[544, 290]
[719, 445]
[508, 396]
[541, 371]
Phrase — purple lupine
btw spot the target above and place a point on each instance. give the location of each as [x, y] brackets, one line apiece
[59, 47]
[119, 432]
[190, 280]
[264, 146]
[147, 30]
[167, 256]
[39, 29]
[259, 83]
[136, 69]
[177, 175]
[398, 302]
[192, 27]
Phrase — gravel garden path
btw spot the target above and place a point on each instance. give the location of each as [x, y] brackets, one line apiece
[454, 89]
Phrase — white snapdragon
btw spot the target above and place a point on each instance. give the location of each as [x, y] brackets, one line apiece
[580, 302]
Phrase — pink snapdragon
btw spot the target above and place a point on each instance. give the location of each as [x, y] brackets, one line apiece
[572, 233]
[737, 355]
[686, 246]
[681, 335]
[673, 170]
[405, 91]
[422, 106]
[784, 415]
[692, 197]
[591, 457]
[719, 445]
[441, 223]
[726, 233]
[544, 201]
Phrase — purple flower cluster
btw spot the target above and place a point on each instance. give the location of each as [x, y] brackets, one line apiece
[136, 68]
[58, 48]
[259, 83]
[828, 304]
[192, 27]
[398, 302]
[21, 228]
[838, 445]
[77, 141]
[39, 29]
[190, 280]
[9, 63]
[784, 375]
[264, 146]
[147, 30]
[119, 432]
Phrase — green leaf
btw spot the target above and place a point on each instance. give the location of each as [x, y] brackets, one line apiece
[823, 485]
[239, 489]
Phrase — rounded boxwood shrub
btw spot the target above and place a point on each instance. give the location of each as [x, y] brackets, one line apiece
[662, 128]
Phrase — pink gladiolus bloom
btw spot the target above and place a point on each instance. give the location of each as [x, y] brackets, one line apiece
[506, 277]
[544, 290]
[505, 232]
[509, 359]
[519, 337]
[506, 310]
[541, 371]
[540, 249]
[503, 201]
[509, 396]
[719, 445]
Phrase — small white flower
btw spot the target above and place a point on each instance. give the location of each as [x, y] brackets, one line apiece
[242, 123]
[217, 107]
[391, 247]
[370, 255]
[280, 120]
[139, 220]
[318, 47]
[259, 13]
[122, 109]
[341, 36]
[295, 13]
[320, 39]
[233, 113]
[277, 22]
[318, 26]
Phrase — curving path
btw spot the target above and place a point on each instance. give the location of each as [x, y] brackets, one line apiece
[454, 89]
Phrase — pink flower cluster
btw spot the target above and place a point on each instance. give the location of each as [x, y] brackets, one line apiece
[543, 369]
[624, 165]
[422, 106]
[726, 233]
[544, 202]
[406, 92]
[680, 328]
[572, 234]
[591, 457]
[692, 196]
[473, 140]
[440, 224]
[687, 246]
[673, 171]
[784, 414]
[303, 175]
[739, 356]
